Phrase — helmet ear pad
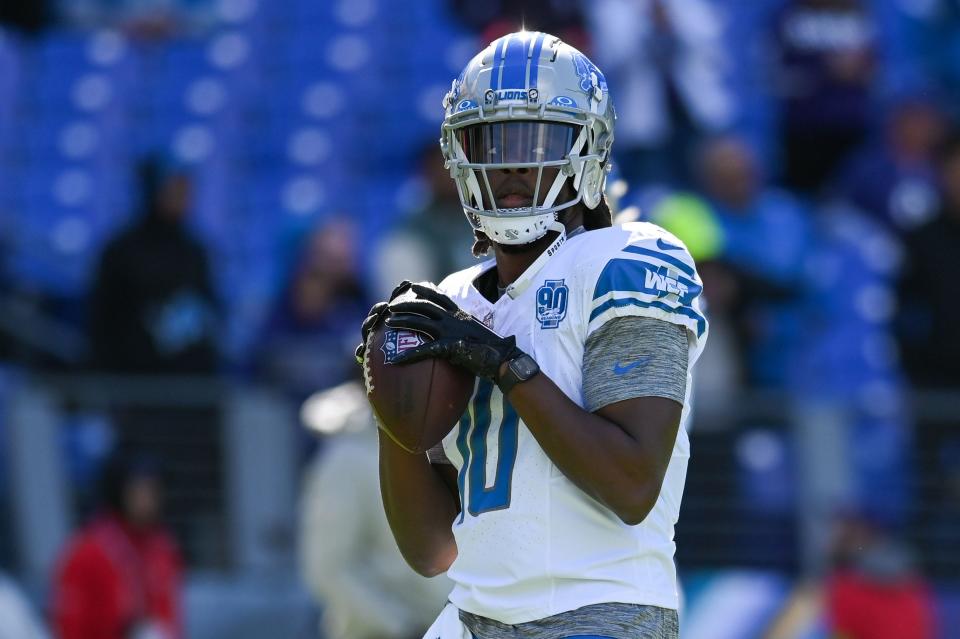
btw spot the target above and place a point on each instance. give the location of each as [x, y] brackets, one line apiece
[591, 183]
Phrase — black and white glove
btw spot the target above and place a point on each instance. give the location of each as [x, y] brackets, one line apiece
[456, 336]
[377, 312]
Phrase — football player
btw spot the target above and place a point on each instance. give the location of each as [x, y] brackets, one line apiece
[552, 504]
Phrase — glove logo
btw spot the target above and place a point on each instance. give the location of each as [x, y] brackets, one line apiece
[552, 303]
[396, 342]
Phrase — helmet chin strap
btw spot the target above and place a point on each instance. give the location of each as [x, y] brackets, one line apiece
[522, 282]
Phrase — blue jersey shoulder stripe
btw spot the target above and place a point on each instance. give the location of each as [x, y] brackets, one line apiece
[535, 61]
[497, 62]
[515, 64]
[637, 276]
[639, 250]
[681, 310]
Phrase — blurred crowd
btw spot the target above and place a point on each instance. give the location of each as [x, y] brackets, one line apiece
[806, 151]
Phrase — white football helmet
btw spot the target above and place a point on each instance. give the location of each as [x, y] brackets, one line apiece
[527, 101]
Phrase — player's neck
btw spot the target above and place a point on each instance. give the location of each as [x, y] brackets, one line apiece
[512, 261]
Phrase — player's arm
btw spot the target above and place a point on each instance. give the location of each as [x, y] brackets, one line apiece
[618, 455]
[634, 383]
[420, 499]
[421, 502]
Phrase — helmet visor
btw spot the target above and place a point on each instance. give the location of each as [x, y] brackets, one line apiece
[516, 142]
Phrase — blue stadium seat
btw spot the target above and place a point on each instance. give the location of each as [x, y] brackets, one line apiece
[11, 191]
[65, 50]
[284, 70]
[263, 201]
[10, 81]
[53, 247]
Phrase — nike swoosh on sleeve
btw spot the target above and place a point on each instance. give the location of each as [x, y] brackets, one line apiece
[666, 246]
[620, 370]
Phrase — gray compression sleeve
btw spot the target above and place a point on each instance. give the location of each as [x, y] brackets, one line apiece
[632, 357]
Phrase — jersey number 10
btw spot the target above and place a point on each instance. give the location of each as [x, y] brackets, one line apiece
[488, 403]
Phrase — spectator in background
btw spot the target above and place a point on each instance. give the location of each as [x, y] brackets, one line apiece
[929, 306]
[894, 179]
[827, 51]
[874, 590]
[929, 303]
[153, 312]
[668, 62]
[119, 577]
[312, 330]
[430, 243]
[349, 558]
[494, 18]
[148, 19]
[152, 305]
[750, 241]
[944, 492]
[29, 17]
[923, 47]
[765, 236]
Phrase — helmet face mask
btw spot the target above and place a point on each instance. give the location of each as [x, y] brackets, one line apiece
[527, 102]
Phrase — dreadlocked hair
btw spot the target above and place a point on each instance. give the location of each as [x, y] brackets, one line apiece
[598, 218]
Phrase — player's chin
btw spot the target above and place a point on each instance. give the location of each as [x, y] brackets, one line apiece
[536, 246]
[519, 249]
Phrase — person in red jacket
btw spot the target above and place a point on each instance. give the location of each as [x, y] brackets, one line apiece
[119, 577]
[874, 591]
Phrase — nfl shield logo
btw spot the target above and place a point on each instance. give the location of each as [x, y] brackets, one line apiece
[396, 342]
[552, 303]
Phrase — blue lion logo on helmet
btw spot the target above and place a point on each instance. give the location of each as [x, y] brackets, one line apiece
[456, 88]
[590, 75]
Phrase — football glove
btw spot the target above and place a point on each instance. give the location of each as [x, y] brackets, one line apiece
[377, 312]
[456, 336]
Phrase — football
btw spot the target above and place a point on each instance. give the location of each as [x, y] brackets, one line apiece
[415, 404]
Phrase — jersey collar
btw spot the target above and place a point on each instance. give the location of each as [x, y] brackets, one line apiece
[520, 285]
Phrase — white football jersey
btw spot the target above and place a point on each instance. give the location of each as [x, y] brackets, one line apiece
[530, 543]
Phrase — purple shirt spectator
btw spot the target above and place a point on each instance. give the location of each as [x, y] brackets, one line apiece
[827, 51]
[895, 180]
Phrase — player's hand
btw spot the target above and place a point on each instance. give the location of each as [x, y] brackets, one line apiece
[377, 312]
[456, 336]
